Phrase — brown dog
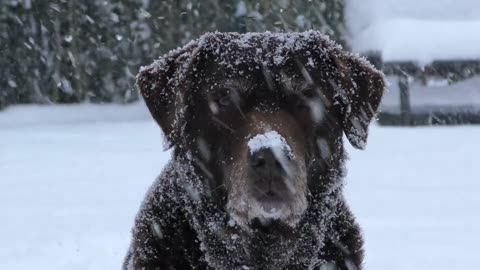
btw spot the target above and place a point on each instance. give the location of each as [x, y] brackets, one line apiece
[256, 122]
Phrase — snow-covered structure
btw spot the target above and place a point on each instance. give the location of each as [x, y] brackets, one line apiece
[429, 49]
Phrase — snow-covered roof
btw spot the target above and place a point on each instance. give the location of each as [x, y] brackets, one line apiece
[422, 41]
[412, 30]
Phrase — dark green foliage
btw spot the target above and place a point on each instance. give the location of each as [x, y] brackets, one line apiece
[286, 15]
[64, 51]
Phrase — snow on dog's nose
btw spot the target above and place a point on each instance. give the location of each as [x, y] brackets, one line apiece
[270, 139]
[270, 155]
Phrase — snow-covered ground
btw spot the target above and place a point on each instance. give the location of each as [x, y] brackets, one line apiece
[72, 179]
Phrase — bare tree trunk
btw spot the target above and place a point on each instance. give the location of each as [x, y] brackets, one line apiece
[74, 54]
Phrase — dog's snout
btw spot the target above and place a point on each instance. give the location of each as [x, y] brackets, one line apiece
[265, 163]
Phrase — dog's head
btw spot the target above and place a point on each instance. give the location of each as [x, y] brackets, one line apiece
[262, 114]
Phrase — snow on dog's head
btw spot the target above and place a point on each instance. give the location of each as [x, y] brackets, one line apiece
[261, 116]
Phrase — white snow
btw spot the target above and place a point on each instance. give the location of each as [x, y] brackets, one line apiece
[284, 45]
[71, 181]
[38, 115]
[73, 177]
[415, 194]
[270, 139]
[422, 41]
[410, 30]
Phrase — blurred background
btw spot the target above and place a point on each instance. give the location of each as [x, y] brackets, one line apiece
[74, 51]
[78, 148]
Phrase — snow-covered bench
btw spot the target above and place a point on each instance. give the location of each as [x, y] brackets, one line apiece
[431, 62]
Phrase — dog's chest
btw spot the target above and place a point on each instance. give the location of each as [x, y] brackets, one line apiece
[220, 248]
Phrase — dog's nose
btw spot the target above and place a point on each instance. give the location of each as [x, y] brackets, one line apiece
[265, 163]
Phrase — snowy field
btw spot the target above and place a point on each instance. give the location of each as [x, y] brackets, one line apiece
[72, 179]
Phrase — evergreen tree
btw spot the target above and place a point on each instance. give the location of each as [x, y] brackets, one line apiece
[63, 51]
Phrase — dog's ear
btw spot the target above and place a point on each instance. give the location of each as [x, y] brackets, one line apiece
[359, 89]
[161, 84]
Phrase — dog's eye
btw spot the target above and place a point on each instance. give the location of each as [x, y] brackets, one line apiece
[308, 93]
[225, 100]
[301, 106]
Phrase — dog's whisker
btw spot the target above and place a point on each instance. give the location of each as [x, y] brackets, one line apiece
[218, 187]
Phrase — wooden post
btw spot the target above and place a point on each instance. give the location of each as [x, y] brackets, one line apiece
[405, 106]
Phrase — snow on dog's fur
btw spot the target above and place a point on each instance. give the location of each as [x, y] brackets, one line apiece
[255, 182]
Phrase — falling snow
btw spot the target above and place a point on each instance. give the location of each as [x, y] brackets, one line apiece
[66, 206]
